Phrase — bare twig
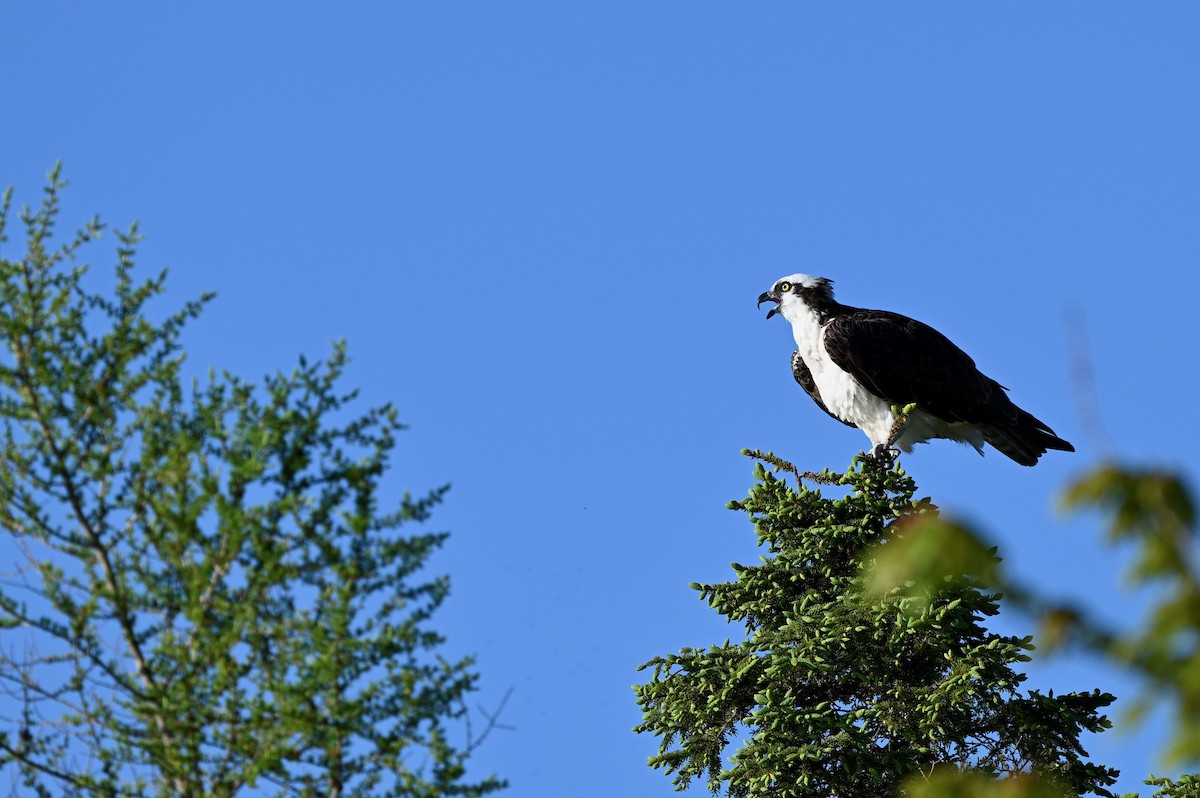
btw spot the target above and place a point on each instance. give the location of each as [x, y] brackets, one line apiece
[1083, 383]
[493, 722]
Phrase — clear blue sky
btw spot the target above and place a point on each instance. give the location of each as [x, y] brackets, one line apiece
[542, 227]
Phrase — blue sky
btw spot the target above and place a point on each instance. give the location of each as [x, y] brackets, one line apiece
[542, 227]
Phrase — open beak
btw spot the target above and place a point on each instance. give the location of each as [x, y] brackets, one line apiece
[767, 296]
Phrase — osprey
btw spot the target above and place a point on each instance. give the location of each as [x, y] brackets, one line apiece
[857, 364]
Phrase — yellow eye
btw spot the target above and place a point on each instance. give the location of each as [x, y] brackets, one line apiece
[784, 287]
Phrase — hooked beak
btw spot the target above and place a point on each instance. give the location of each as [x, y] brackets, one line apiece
[767, 296]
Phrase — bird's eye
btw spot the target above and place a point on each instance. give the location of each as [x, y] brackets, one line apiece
[784, 287]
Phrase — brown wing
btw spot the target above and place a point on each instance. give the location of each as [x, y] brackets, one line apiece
[902, 361]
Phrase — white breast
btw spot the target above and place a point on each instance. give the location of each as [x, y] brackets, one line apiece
[845, 396]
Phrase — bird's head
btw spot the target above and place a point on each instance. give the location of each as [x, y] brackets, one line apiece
[797, 295]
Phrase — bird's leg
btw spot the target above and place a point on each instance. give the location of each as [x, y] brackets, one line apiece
[885, 453]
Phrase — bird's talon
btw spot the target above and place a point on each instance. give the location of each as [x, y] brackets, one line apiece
[884, 455]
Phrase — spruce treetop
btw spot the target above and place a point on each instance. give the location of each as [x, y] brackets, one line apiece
[846, 687]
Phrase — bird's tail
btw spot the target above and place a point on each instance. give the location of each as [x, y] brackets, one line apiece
[1024, 439]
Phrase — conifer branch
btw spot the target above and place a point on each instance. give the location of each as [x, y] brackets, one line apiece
[779, 464]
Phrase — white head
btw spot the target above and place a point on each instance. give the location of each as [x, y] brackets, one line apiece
[799, 296]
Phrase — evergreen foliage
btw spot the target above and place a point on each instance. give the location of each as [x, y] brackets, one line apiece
[846, 687]
[1186, 786]
[212, 594]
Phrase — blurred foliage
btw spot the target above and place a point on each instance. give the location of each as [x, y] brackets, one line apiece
[853, 680]
[958, 784]
[1153, 514]
[1150, 513]
[210, 599]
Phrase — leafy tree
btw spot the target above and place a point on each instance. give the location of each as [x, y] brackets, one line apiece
[210, 593]
[851, 683]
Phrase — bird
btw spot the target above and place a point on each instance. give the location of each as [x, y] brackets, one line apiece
[859, 364]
